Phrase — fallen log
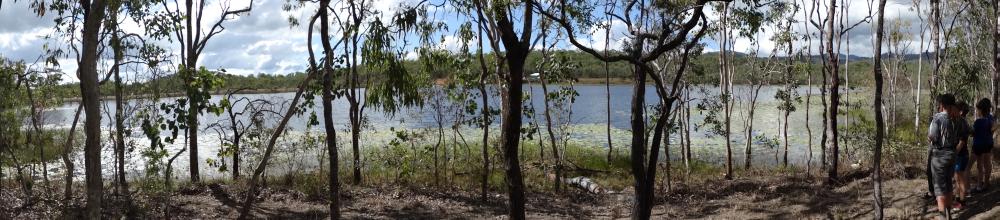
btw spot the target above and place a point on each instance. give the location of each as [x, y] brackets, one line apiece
[581, 182]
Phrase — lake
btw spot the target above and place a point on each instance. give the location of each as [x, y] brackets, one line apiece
[587, 125]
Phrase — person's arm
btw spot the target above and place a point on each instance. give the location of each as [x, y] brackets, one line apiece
[964, 133]
[961, 144]
[934, 132]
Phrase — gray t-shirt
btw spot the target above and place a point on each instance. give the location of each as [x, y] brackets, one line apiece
[945, 132]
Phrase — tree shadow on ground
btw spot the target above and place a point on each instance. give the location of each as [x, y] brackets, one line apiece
[979, 203]
[814, 198]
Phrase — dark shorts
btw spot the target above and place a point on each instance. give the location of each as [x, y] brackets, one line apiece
[961, 162]
[981, 149]
[942, 170]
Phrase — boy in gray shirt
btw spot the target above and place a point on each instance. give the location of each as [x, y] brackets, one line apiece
[945, 136]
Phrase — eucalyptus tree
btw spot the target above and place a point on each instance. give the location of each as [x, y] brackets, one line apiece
[879, 121]
[920, 63]
[38, 83]
[371, 43]
[186, 24]
[127, 50]
[12, 116]
[646, 44]
[935, 20]
[832, 68]
[394, 89]
[764, 70]
[995, 24]
[830, 38]
[323, 12]
[819, 23]
[326, 71]
[93, 16]
[807, 16]
[487, 68]
[897, 43]
[498, 18]
[607, 84]
[554, 67]
[788, 95]
[725, 31]
[10, 125]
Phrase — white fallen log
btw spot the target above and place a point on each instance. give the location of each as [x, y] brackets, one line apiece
[584, 183]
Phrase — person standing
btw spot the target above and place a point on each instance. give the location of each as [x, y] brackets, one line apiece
[962, 158]
[982, 143]
[944, 137]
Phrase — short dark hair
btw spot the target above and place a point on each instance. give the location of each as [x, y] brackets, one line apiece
[946, 100]
[964, 108]
[984, 105]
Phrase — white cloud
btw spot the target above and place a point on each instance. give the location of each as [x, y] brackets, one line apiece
[600, 35]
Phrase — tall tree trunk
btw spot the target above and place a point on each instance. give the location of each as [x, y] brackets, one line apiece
[607, 92]
[93, 16]
[534, 119]
[440, 138]
[517, 48]
[809, 126]
[749, 126]
[687, 127]
[511, 131]
[191, 66]
[789, 74]
[808, 58]
[36, 142]
[879, 122]
[548, 120]
[330, 129]
[67, 162]
[823, 91]
[936, 43]
[485, 111]
[236, 155]
[920, 71]
[354, 110]
[725, 83]
[832, 67]
[119, 116]
[996, 55]
[643, 198]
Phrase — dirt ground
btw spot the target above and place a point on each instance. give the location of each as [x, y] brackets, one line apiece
[777, 197]
[782, 197]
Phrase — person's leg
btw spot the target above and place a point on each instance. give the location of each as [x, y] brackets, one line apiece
[988, 162]
[930, 172]
[981, 174]
[971, 177]
[960, 178]
[944, 205]
[943, 170]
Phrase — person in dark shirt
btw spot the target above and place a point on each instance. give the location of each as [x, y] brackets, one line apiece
[962, 158]
[944, 137]
[982, 143]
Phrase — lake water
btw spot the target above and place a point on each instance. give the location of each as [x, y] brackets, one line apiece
[588, 119]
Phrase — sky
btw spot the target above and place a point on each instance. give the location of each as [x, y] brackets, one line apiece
[264, 42]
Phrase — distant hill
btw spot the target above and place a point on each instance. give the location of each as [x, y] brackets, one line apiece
[843, 57]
